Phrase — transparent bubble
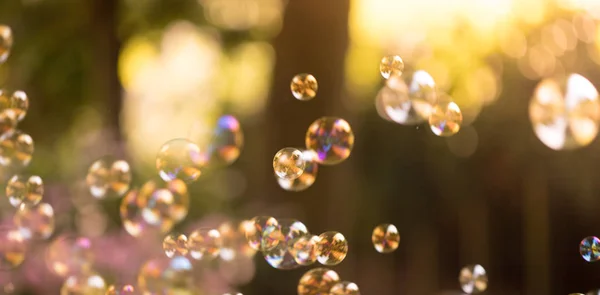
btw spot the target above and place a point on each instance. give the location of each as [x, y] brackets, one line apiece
[22, 189]
[8, 121]
[565, 113]
[6, 42]
[19, 104]
[332, 248]
[317, 281]
[166, 276]
[233, 241]
[254, 232]
[204, 243]
[308, 177]
[445, 119]
[473, 279]
[227, 141]
[277, 243]
[175, 244]
[16, 150]
[385, 238]
[589, 248]
[12, 248]
[108, 177]
[288, 163]
[408, 104]
[164, 203]
[35, 221]
[84, 284]
[391, 66]
[304, 249]
[180, 159]
[121, 290]
[331, 139]
[344, 288]
[131, 215]
[304, 86]
[69, 255]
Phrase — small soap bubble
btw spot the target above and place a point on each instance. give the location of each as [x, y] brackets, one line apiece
[408, 104]
[164, 203]
[108, 177]
[304, 86]
[589, 248]
[304, 249]
[277, 243]
[6, 42]
[288, 163]
[35, 221]
[307, 178]
[180, 159]
[445, 118]
[233, 241]
[391, 66]
[12, 248]
[121, 290]
[565, 113]
[204, 243]
[227, 141]
[473, 279]
[84, 284]
[22, 189]
[19, 104]
[69, 255]
[317, 281]
[331, 138]
[344, 288]
[166, 276]
[385, 238]
[16, 150]
[332, 248]
[175, 244]
[254, 231]
[131, 209]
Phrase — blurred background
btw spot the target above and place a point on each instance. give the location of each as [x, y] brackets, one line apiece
[121, 77]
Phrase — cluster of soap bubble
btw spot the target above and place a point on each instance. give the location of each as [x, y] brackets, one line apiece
[325, 281]
[416, 99]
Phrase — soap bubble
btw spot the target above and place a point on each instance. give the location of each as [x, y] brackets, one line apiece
[332, 248]
[108, 177]
[166, 276]
[409, 104]
[304, 249]
[131, 215]
[233, 241]
[304, 86]
[317, 281]
[16, 150]
[589, 249]
[227, 141]
[391, 66]
[164, 203]
[288, 163]
[180, 159]
[204, 243]
[385, 238]
[473, 279]
[19, 104]
[277, 243]
[12, 248]
[175, 244]
[35, 221]
[331, 138]
[69, 255]
[445, 119]
[24, 190]
[84, 284]
[254, 232]
[6, 42]
[308, 177]
[344, 288]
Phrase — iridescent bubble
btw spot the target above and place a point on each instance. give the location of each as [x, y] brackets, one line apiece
[254, 232]
[304, 86]
[167, 276]
[164, 203]
[332, 248]
[307, 178]
[204, 243]
[227, 141]
[344, 288]
[84, 284]
[317, 281]
[16, 150]
[6, 42]
[385, 238]
[69, 255]
[304, 249]
[331, 139]
[35, 221]
[131, 215]
[175, 244]
[473, 279]
[233, 241]
[8, 121]
[288, 163]
[445, 118]
[19, 104]
[22, 189]
[121, 290]
[391, 66]
[12, 248]
[277, 243]
[589, 248]
[108, 177]
[408, 104]
[565, 113]
[180, 159]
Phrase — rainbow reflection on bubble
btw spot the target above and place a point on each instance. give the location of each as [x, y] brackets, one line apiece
[227, 141]
[331, 138]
